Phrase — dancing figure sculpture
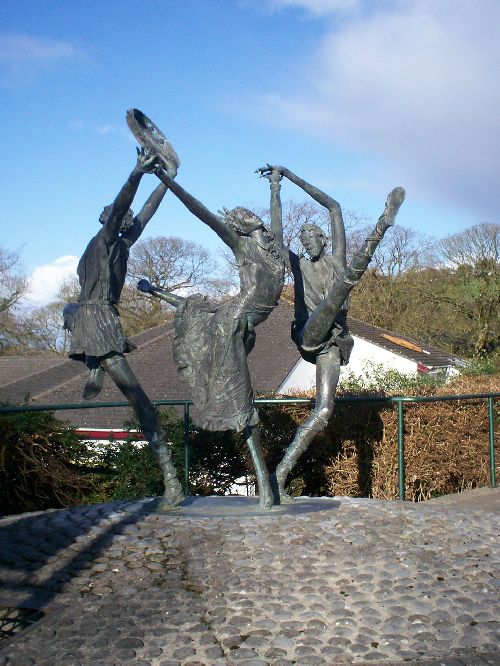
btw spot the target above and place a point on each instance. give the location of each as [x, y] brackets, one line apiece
[213, 340]
[97, 336]
[322, 284]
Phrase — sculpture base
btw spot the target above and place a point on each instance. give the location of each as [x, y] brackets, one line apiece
[231, 506]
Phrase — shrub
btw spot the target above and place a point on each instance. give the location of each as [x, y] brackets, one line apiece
[40, 463]
[43, 464]
[126, 470]
[446, 443]
[482, 365]
[129, 470]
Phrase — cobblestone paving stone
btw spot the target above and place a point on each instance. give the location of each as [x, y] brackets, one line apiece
[365, 582]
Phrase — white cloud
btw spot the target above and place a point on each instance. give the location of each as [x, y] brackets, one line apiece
[317, 7]
[23, 57]
[19, 48]
[46, 280]
[106, 129]
[414, 83]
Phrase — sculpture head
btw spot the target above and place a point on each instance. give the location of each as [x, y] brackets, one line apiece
[314, 240]
[242, 220]
[127, 222]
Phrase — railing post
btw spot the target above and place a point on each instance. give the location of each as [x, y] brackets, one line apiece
[401, 450]
[186, 448]
[491, 424]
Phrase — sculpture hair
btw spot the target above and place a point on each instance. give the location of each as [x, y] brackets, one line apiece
[238, 219]
[310, 226]
[128, 218]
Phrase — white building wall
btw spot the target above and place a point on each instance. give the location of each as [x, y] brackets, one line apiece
[365, 357]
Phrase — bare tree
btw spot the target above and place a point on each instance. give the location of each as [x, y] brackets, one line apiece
[295, 215]
[69, 291]
[12, 285]
[452, 302]
[43, 331]
[402, 250]
[473, 259]
[171, 263]
[40, 330]
[472, 247]
[12, 288]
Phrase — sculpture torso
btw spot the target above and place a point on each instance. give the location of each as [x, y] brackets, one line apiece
[212, 340]
[102, 270]
[97, 329]
[312, 281]
[262, 272]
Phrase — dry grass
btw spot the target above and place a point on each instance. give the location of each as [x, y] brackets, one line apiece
[446, 445]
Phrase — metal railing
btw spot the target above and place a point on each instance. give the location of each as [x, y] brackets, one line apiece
[399, 401]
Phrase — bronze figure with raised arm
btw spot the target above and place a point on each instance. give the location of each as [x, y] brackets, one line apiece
[97, 335]
[322, 284]
[213, 340]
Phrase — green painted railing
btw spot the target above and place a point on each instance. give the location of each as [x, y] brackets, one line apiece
[399, 401]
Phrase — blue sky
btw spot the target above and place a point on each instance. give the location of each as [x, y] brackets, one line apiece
[356, 97]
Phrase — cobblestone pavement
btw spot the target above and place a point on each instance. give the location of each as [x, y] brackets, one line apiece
[354, 581]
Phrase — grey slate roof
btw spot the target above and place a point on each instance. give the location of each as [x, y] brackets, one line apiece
[435, 357]
[55, 380]
[61, 381]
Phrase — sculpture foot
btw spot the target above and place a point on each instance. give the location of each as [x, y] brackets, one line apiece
[285, 498]
[266, 500]
[173, 494]
[279, 492]
[394, 200]
[169, 501]
[93, 385]
[173, 498]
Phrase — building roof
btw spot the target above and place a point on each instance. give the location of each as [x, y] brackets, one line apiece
[53, 380]
[430, 356]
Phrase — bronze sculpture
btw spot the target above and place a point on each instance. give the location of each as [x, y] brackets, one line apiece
[213, 340]
[97, 336]
[322, 285]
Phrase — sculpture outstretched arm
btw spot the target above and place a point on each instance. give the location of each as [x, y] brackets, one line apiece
[227, 235]
[333, 207]
[274, 177]
[146, 213]
[147, 288]
[146, 162]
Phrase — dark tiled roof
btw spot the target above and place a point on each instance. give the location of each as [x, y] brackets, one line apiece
[275, 354]
[431, 356]
[16, 368]
[153, 365]
[61, 381]
[55, 380]
[22, 376]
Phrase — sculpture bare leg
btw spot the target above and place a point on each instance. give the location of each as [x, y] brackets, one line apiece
[252, 438]
[327, 377]
[93, 385]
[117, 367]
